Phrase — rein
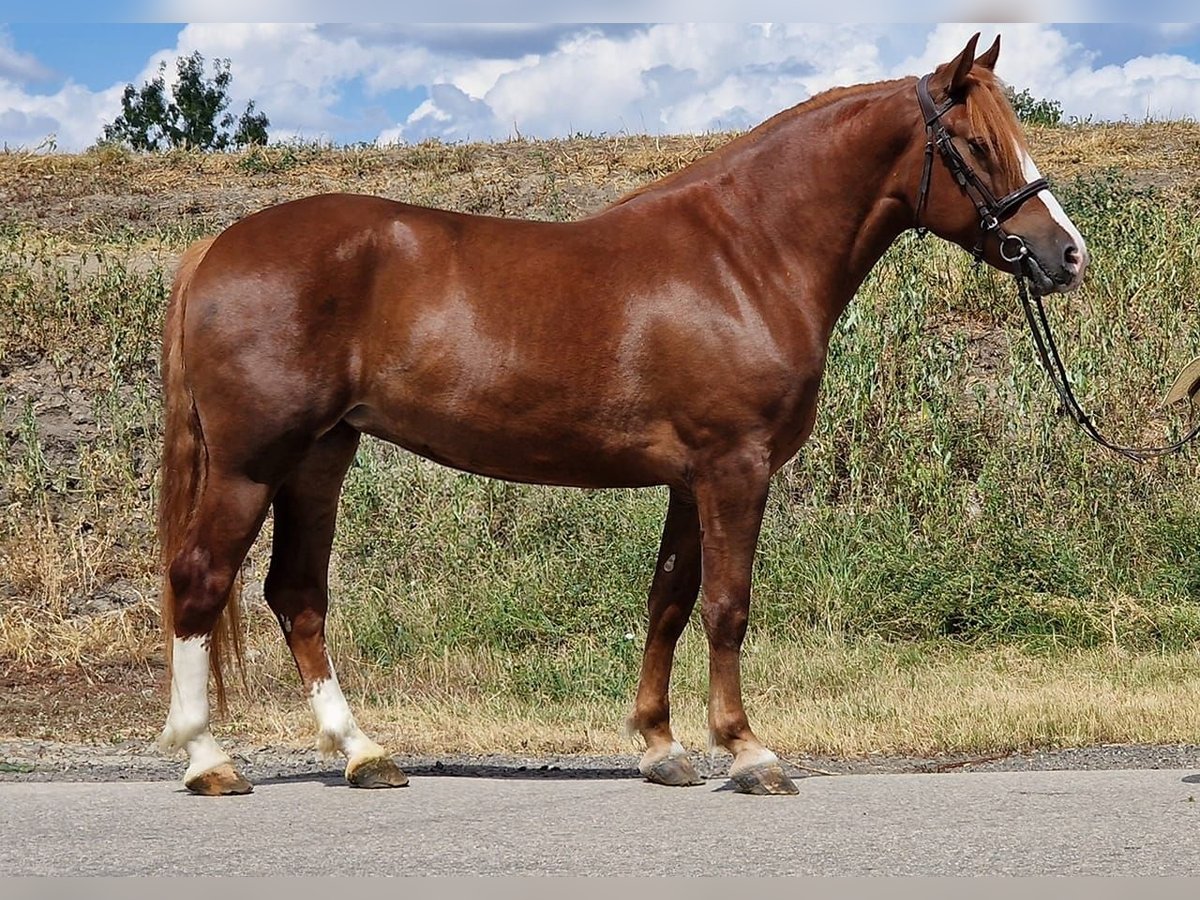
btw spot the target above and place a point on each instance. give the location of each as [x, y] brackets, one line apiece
[1047, 351]
[992, 213]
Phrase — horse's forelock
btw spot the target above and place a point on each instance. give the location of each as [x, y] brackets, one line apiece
[993, 119]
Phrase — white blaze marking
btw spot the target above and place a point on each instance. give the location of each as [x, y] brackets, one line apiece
[1057, 213]
[338, 730]
[187, 719]
[670, 563]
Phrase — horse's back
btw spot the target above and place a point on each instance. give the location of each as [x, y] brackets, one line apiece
[398, 285]
[465, 338]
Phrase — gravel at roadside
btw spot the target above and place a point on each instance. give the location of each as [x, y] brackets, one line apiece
[30, 760]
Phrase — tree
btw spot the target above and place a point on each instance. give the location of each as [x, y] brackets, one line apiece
[1033, 111]
[194, 117]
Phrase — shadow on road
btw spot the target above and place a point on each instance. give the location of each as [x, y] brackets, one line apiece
[543, 772]
[335, 778]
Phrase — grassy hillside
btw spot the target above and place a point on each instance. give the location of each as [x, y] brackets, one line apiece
[946, 537]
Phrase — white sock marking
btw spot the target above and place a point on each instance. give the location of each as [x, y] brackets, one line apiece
[648, 762]
[750, 759]
[187, 718]
[204, 755]
[338, 730]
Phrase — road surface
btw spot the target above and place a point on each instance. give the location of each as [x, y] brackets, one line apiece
[1143, 822]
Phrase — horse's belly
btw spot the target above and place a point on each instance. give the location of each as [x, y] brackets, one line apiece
[552, 454]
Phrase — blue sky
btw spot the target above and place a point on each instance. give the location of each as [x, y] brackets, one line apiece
[95, 55]
[360, 82]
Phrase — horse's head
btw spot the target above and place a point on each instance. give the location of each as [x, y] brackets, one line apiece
[979, 186]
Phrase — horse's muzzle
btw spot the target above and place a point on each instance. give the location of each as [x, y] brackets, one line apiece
[1054, 268]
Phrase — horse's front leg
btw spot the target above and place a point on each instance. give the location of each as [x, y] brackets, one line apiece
[731, 496]
[672, 596]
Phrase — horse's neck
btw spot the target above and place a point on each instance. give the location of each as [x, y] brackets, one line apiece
[835, 203]
[822, 188]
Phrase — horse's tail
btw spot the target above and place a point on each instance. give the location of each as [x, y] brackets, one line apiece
[184, 464]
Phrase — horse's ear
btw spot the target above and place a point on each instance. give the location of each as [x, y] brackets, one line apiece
[989, 57]
[958, 68]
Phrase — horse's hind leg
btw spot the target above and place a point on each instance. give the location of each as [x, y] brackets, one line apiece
[228, 517]
[297, 590]
[672, 597]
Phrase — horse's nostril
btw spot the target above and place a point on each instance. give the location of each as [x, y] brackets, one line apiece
[1071, 256]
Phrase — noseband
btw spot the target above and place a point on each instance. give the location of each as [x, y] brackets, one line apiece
[992, 212]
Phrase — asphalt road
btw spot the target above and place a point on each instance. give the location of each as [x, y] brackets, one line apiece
[1030, 823]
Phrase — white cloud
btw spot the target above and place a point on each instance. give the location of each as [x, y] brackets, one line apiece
[489, 81]
[450, 114]
[1040, 58]
[293, 72]
[1161, 86]
[665, 78]
[17, 66]
[69, 119]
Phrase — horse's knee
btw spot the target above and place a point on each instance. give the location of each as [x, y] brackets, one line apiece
[201, 590]
[725, 620]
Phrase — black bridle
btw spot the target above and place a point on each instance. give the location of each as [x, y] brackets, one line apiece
[992, 215]
[992, 212]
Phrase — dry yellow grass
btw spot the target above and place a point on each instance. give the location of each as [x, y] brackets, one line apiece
[1166, 154]
[829, 699]
[163, 200]
[820, 698]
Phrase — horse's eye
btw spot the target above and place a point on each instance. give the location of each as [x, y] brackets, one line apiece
[978, 148]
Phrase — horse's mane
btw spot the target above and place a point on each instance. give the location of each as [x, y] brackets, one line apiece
[992, 119]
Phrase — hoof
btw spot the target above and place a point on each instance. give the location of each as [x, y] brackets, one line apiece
[673, 771]
[218, 782]
[767, 778]
[375, 772]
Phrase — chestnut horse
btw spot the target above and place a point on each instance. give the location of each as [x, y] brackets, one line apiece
[677, 338]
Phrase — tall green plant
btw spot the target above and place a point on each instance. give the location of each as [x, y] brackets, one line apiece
[1034, 111]
[195, 116]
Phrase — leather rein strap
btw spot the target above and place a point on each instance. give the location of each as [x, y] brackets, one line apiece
[1047, 351]
[992, 213]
